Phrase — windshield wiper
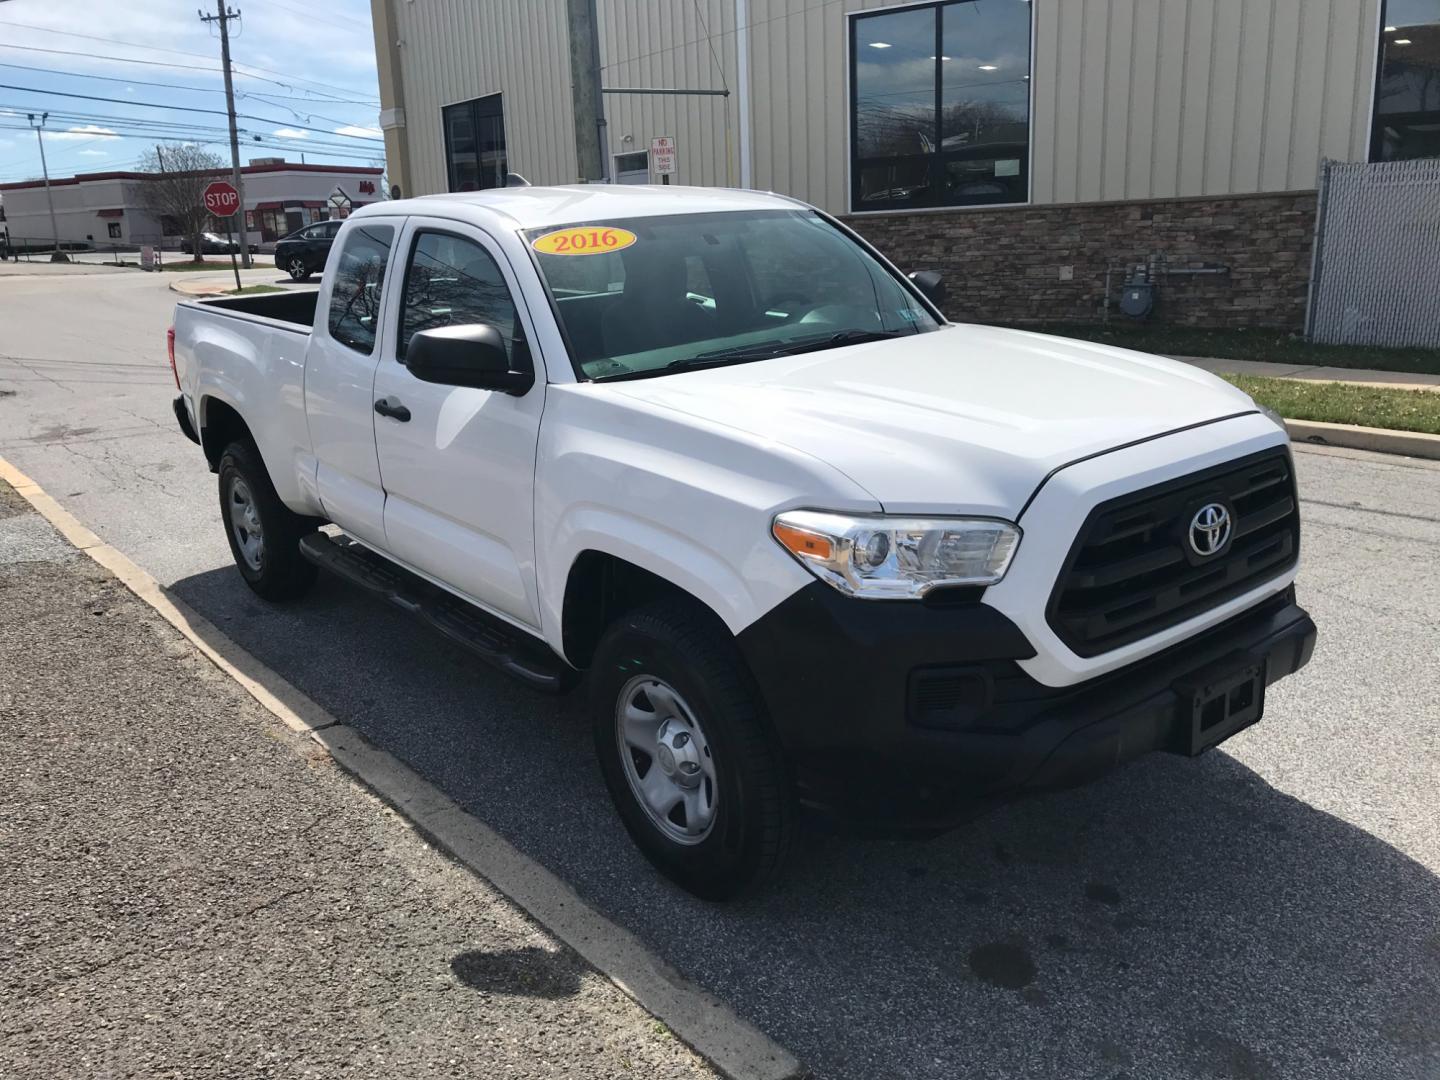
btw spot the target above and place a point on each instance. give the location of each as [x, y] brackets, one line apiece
[781, 348]
[764, 351]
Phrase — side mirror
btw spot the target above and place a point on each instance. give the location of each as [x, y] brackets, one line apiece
[472, 355]
[931, 284]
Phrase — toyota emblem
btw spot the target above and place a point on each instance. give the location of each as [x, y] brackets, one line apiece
[1209, 529]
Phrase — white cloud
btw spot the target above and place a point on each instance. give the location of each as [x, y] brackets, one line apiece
[291, 133]
[93, 153]
[360, 132]
[89, 131]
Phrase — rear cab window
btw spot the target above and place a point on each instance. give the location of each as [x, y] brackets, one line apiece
[357, 289]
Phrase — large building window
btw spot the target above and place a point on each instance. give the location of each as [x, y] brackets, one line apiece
[475, 144]
[1407, 95]
[940, 105]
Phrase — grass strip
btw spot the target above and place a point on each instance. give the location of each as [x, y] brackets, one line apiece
[1274, 346]
[1346, 403]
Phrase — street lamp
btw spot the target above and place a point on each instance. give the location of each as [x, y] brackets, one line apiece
[57, 255]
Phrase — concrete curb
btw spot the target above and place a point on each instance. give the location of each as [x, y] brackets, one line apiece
[734, 1047]
[1381, 440]
[198, 288]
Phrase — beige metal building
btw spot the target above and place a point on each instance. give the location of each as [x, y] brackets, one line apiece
[1069, 136]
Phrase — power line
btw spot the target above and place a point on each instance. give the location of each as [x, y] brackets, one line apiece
[330, 15]
[186, 108]
[116, 78]
[163, 132]
[176, 52]
[314, 94]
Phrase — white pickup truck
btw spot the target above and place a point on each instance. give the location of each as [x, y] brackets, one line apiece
[813, 545]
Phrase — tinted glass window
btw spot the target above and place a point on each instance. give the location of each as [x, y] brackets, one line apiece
[452, 281]
[358, 286]
[940, 105]
[475, 144]
[730, 287]
[1407, 100]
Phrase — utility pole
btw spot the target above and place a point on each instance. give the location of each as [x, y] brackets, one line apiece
[223, 15]
[57, 255]
[590, 156]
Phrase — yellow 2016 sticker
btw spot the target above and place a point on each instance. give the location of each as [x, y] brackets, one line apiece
[584, 240]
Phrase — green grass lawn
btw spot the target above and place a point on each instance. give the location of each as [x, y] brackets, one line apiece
[1345, 403]
[250, 290]
[191, 265]
[1270, 345]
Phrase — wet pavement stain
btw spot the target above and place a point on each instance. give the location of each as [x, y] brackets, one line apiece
[1102, 893]
[1002, 964]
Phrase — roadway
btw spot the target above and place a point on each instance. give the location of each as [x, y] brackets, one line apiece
[1269, 910]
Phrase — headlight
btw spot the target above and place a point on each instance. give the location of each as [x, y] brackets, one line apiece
[897, 558]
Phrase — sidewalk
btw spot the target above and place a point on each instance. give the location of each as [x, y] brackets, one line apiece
[193, 890]
[1392, 380]
[219, 284]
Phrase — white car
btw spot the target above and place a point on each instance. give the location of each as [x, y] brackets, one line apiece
[812, 544]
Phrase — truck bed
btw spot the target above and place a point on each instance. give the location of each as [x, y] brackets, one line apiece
[295, 307]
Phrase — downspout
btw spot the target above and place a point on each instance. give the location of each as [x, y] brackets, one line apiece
[742, 90]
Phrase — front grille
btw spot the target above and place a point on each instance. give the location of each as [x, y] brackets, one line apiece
[1132, 572]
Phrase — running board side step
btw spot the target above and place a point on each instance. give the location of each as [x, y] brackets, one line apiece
[489, 638]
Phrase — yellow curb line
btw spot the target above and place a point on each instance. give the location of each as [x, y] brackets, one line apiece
[736, 1048]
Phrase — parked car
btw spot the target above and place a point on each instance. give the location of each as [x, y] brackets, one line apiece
[214, 244]
[810, 544]
[304, 251]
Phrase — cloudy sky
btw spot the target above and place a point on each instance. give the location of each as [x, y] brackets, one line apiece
[305, 82]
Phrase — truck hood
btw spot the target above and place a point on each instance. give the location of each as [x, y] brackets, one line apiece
[967, 419]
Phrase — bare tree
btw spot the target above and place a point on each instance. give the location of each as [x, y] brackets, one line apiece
[174, 193]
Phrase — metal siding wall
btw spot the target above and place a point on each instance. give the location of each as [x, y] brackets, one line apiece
[1164, 98]
[661, 43]
[455, 50]
[1133, 99]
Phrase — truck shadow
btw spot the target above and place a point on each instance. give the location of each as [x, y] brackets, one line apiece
[1182, 918]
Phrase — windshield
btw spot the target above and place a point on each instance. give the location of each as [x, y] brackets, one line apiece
[648, 296]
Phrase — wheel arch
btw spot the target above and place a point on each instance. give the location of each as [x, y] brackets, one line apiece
[602, 586]
[220, 425]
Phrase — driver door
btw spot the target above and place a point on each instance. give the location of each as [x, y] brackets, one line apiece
[457, 464]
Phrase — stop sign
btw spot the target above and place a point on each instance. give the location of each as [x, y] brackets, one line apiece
[221, 199]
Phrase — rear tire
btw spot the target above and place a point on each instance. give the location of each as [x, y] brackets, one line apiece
[264, 533]
[671, 672]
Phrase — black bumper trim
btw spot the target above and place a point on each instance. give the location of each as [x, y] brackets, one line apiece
[182, 416]
[836, 676]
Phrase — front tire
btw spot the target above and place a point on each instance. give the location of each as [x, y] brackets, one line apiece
[264, 533]
[690, 760]
[297, 269]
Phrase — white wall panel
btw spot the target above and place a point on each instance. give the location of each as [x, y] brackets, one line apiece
[1132, 98]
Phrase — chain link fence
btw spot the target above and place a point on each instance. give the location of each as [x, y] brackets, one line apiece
[115, 252]
[1376, 274]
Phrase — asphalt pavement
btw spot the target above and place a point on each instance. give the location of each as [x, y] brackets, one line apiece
[1270, 910]
[190, 889]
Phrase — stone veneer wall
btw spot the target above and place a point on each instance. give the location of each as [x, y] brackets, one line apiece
[1004, 264]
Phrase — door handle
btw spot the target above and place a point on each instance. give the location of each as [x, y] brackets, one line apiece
[392, 408]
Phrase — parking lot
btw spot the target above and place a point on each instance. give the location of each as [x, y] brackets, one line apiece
[1269, 910]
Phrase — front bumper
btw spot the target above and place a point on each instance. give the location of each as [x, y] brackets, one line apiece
[852, 688]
